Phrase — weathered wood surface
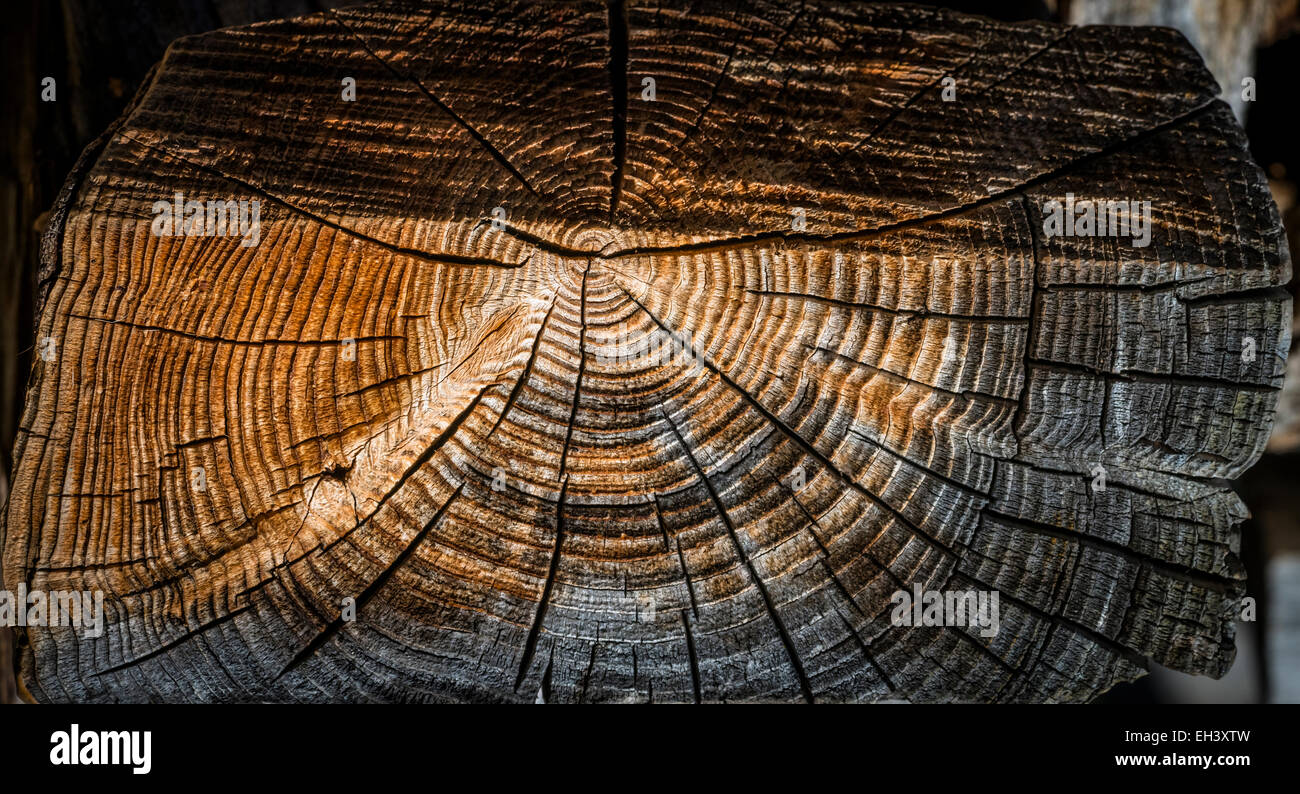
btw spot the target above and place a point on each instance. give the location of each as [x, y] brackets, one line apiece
[98, 52]
[944, 377]
[1225, 32]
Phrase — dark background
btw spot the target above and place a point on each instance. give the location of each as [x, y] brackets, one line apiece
[100, 51]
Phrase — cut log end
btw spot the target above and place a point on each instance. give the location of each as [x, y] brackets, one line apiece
[537, 379]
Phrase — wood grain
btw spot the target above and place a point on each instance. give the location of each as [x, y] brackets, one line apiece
[944, 377]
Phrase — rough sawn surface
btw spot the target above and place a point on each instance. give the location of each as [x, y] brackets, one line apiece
[916, 387]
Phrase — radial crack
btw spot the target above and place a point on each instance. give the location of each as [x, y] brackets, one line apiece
[795, 663]
[443, 106]
[454, 260]
[534, 631]
[721, 244]
[528, 369]
[808, 448]
[373, 588]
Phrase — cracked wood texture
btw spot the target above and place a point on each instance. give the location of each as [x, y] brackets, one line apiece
[521, 500]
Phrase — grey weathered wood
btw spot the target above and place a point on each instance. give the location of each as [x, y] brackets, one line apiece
[1226, 33]
[650, 539]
